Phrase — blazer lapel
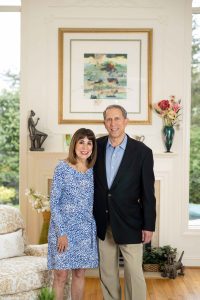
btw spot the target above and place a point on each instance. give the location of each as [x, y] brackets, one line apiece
[102, 163]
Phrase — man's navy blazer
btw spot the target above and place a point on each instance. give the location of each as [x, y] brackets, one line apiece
[129, 205]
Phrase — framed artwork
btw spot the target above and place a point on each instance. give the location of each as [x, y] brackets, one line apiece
[67, 141]
[100, 67]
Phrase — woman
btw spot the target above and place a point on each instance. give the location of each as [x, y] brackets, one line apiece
[72, 231]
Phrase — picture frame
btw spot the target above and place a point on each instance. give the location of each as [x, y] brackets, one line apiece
[98, 67]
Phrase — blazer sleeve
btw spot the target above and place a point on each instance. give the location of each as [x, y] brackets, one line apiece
[55, 197]
[148, 196]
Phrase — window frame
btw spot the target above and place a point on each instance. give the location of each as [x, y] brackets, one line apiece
[192, 229]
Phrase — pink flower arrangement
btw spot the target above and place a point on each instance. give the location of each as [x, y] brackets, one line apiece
[168, 110]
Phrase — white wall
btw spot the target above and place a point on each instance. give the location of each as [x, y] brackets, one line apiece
[171, 23]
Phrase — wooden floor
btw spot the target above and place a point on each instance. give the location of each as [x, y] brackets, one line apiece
[182, 288]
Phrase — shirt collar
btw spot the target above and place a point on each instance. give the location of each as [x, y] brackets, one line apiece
[122, 145]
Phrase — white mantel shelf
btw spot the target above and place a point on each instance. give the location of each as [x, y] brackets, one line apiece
[165, 154]
[155, 154]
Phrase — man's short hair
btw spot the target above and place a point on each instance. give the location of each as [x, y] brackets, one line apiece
[124, 112]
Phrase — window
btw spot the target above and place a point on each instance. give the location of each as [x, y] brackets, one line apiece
[196, 3]
[194, 205]
[9, 101]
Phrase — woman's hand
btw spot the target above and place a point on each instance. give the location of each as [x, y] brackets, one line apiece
[62, 243]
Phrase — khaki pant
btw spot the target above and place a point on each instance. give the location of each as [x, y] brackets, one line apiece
[134, 282]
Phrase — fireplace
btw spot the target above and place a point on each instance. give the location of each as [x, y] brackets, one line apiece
[41, 167]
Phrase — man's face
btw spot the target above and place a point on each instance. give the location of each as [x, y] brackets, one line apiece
[115, 123]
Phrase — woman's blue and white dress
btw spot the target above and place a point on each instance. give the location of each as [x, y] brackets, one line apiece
[71, 203]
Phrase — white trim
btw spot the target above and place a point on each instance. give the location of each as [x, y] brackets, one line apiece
[10, 8]
[190, 230]
[196, 10]
[191, 261]
[186, 126]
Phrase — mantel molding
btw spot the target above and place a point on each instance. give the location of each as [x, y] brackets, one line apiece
[45, 153]
[106, 3]
[165, 155]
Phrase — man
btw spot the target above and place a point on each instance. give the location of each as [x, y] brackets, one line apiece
[124, 206]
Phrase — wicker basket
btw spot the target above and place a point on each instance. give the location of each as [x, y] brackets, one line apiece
[151, 267]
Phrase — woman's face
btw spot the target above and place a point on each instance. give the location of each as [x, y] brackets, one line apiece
[83, 148]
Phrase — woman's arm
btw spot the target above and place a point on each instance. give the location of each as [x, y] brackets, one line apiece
[55, 198]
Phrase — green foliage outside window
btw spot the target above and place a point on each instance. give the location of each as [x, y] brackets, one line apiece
[195, 117]
[195, 165]
[9, 142]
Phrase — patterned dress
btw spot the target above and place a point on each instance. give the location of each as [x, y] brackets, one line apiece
[72, 215]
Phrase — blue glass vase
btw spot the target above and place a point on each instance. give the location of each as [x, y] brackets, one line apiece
[168, 137]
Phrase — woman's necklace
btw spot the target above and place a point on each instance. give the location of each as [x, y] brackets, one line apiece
[79, 167]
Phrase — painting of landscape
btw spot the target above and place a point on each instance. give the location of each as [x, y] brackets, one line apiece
[105, 76]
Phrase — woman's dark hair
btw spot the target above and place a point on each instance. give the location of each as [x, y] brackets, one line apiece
[78, 135]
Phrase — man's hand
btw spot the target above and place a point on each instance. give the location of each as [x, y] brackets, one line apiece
[146, 236]
[62, 244]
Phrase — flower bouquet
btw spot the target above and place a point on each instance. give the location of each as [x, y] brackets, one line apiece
[169, 111]
[38, 201]
[41, 203]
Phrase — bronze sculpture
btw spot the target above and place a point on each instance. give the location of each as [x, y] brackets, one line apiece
[37, 137]
[171, 267]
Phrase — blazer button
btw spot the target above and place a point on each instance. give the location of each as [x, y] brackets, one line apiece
[106, 211]
[109, 195]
